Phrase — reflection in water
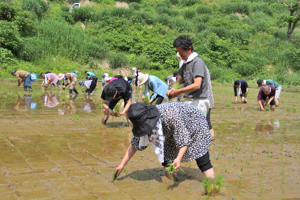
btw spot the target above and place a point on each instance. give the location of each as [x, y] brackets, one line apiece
[50, 100]
[268, 127]
[25, 103]
[68, 108]
[241, 107]
[89, 106]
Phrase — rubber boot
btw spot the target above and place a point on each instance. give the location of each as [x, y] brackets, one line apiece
[70, 91]
[75, 91]
[25, 88]
[30, 89]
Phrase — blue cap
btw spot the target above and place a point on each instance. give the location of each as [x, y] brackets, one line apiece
[12, 72]
[81, 83]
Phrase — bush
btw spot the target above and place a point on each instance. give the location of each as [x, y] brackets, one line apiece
[181, 25]
[26, 23]
[220, 31]
[261, 25]
[240, 35]
[202, 9]
[245, 69]
[121, 12]
[163, 19]
[7, 12]
[135, 6]
[188, 2]
[168, 11]
[165, 3]
[39, 7]
[229, 8]
[280, 34]
[82, 14]
[200, 26]
[142, 17]
[117, 60]
[33, 49]
[189, 14]
[203, 18]
[10, 37]
[133, 1]
[263, 7]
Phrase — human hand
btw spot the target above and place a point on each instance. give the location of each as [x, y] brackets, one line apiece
[118, 171]
[19, 84]
[172, 93]
[176, 162]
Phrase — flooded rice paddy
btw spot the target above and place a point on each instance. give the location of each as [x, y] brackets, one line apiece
[54, 146]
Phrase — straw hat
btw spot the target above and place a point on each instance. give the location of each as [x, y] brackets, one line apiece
[142, 78]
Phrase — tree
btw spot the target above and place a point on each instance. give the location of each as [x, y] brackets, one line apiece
[293, 18]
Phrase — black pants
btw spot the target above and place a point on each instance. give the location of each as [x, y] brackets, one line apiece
[159, 99]
[203, 163]
[93, 85]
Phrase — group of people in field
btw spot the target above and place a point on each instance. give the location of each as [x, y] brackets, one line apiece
[178, 131]
[268, 94]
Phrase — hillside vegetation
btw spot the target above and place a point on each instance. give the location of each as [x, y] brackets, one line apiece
[236, 39]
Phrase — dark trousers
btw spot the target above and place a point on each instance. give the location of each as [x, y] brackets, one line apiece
[159, 99]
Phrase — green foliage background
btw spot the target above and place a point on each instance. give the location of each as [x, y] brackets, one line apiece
[236, 39]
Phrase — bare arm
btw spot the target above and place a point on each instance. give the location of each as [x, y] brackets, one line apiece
[195, 86]
[126, 107]
[181, 152]
[128, 155]
[261, 105]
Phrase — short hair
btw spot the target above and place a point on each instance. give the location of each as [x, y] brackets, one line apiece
[236, 82]
[175, 73]
[184, 42]
[85, 72]
[266, 88]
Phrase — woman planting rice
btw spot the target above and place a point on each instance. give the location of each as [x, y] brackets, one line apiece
[178, 133]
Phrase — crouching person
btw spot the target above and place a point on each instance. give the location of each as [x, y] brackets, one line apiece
[266, 92]
[26, 79]
[184, 129]
[112, 93]
[88, 84]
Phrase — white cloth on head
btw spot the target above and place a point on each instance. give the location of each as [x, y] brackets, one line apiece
[156, 139]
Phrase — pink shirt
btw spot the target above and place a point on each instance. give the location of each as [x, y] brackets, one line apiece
[52, 77]
[112, 79]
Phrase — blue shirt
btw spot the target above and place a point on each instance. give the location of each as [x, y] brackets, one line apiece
[157, 86]
[91, 74]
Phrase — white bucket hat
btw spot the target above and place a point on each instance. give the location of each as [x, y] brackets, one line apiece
[142, 78]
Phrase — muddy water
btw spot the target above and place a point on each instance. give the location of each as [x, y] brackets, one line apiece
[54, 147]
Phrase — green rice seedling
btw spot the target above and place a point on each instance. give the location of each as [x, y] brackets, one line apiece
[99, 171]
[261, 175]
[232, 153]
[101, 106]
[240, 183]
[282, 189]
[261, 189]
[146, 99]
[171, 168]
[218, 156]
[241, 174]
[237, 146]
[177, 86]
[283, 170]
[227, 104]
[135, 176]
[226, 170]
[213, 188]
[76, 117]
[162, 192]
